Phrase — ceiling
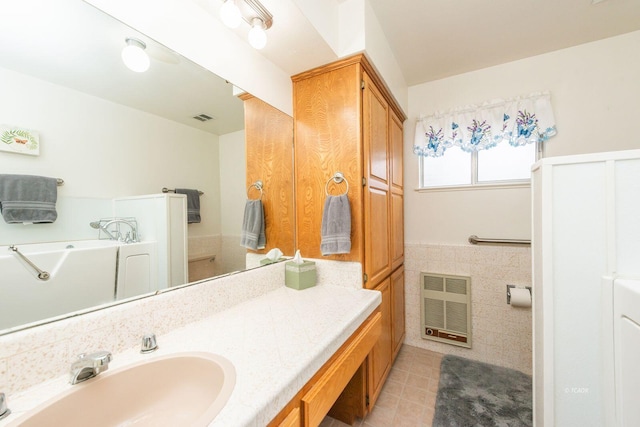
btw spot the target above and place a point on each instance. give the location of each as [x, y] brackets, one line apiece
[433, 39]
[70, 43]
[73, 44]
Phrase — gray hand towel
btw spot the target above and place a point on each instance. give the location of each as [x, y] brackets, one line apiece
[28, 199]
[336, 226]
[253, 236]
[193, 204]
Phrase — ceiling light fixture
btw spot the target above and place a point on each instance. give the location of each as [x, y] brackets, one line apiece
[254, 14]
[134, 55]
[230, 14]
[257, 35]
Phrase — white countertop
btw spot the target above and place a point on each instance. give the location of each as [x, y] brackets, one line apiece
[276, 343]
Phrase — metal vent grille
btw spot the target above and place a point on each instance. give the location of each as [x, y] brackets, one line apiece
[457, 316]
[456, 286]
[446, 308]
[434, 312]
[433, 283]
[203, 117]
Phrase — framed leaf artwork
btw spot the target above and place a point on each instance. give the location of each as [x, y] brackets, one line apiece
[18, 140]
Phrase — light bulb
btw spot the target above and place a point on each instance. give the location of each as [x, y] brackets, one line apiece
[230, 14]
[257, 35]
[134, 56]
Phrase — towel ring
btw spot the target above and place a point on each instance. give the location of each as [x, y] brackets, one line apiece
[338, 178]
[258, 185]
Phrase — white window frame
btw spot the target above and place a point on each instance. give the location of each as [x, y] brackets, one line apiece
[510, 183]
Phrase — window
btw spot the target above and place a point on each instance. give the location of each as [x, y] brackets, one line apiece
[501, 165]
[494, 144]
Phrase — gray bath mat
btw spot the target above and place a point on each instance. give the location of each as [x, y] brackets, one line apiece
[476, 394]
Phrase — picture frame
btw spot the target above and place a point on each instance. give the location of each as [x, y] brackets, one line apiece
[18, 140]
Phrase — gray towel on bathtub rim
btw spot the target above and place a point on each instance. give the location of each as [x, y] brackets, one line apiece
[28, 199]
[253, 235]
[193, 204]
[336, 226]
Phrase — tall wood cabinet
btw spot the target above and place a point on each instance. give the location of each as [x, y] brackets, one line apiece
[269, 156]
[346, 120]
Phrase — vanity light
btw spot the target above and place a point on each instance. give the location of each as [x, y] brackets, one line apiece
[134, 55]
[230, 14]
[253, 13]
[257, 35]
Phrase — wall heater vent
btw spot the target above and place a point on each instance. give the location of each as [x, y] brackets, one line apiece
[445, 308]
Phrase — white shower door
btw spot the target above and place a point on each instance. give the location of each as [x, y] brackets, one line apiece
[627, 350]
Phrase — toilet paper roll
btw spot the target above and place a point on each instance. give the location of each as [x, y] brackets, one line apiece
[520, 297]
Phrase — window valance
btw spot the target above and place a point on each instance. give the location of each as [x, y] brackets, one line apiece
[519, 121]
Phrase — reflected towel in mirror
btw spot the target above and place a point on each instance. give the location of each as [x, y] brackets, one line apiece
[253, 236]
[193, 204]
[336, 226]
[28, 199]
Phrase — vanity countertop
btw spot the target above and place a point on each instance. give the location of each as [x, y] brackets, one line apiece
[276, 343]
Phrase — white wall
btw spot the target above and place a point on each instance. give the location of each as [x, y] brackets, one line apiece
[594, 92]
[104, 150]
[232, 182]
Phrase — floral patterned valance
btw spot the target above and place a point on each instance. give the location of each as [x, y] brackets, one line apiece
[519, 121]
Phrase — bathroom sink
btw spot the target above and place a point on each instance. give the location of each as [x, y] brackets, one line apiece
[183, 389]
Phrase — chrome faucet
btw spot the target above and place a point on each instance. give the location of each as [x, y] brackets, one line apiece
[89, 365]
[130, 237]
[4, 411]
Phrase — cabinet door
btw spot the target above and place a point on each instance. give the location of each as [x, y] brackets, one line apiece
[327, 108]
[380, 356]
[377, 224]
[269, 137]
[397, 190]
[397, 309]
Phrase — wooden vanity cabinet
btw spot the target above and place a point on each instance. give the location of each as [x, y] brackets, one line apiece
[311, 404]
[346, 120]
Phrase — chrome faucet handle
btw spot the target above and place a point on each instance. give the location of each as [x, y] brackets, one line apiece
[101, 360]
[149, 343]
[4, 411]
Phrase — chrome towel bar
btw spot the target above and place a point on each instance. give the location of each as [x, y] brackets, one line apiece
[475, 240]
[42, 275]
[171, 190]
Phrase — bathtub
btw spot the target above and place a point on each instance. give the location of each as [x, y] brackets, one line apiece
[82, 274]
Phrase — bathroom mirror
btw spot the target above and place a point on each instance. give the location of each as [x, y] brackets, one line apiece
[111, 133]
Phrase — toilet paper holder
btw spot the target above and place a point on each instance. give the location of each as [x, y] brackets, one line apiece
[509, 287]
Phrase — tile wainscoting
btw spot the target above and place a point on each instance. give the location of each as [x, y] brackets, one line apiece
[501, 334]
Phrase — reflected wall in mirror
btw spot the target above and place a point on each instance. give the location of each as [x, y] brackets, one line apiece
[113, 136]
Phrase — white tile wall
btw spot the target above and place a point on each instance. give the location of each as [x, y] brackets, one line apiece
[501, 333]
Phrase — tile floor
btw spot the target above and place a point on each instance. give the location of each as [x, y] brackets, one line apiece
[408, 397]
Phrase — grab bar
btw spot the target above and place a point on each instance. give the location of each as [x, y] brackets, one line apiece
[42, 275]
[475, 240]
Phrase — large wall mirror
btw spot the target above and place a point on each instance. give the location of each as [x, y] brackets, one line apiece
[113, 135]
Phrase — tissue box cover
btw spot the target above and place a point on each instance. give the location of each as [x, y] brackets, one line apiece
[300, 276]
[265, 261]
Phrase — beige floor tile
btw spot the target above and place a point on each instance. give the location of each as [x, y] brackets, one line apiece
[417, 381]
[408, 397]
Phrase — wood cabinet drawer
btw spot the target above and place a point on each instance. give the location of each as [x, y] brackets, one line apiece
[292, 420]
[319, 399]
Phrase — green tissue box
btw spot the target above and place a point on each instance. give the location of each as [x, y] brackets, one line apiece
[300, 276]
[265, 261]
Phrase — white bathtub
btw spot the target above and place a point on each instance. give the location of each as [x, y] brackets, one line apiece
[82, 275]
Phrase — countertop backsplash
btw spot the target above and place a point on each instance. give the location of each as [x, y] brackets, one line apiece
[32, 356]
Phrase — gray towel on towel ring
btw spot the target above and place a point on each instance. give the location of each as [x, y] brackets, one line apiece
[28, 199]
[193, 204]
[336, 226]
[253, 235]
